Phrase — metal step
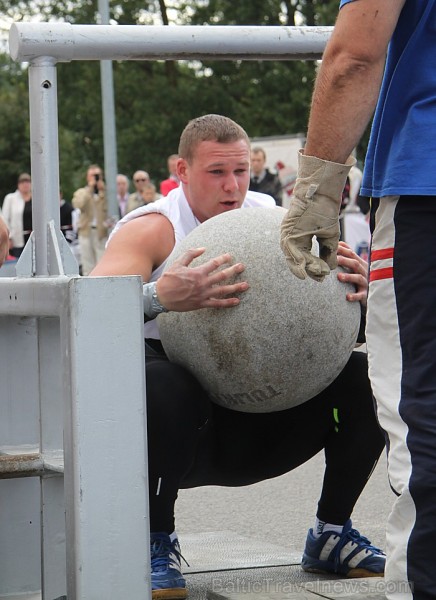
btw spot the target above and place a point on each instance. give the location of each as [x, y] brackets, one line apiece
[19, 461]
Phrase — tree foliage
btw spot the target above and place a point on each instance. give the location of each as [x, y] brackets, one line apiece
[154, 100]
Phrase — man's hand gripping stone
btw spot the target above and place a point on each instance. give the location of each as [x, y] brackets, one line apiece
[314, 211]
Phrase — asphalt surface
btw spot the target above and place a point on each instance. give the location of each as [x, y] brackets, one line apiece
[281, 510]
[274, 513]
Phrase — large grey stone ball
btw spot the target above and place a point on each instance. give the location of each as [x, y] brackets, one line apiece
[284, 343]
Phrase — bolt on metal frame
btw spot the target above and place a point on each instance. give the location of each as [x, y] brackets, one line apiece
[86, 376]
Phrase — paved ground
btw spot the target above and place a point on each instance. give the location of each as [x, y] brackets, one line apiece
[280, 510]
[276, 513]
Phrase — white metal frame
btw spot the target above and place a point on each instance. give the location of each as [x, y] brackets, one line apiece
[80, 340]
[82, 376]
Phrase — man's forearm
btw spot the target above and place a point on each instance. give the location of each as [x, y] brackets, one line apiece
[344, 99]
[343, 103]
[350, 76]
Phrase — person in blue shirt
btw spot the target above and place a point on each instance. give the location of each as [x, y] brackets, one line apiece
[382, 57]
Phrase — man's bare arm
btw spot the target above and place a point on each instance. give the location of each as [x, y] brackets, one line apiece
[143, 244]
[348, 83]
[345, 95]
[138, 247]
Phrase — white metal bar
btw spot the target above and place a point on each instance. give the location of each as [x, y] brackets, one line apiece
[19, 407]
[42, 296]
[106, 491]
[53, 552]
[61, 259]
[66, 42]
[109, 127]
[20, 563]
[109, 137]
[44, 157]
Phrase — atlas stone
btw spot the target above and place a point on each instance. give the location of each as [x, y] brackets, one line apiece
[284, 343]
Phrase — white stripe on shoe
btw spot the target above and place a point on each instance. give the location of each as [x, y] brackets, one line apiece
[360, 556]
[330, 544]
[348, 549]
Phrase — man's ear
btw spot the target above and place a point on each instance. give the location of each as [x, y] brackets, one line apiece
[182, 170]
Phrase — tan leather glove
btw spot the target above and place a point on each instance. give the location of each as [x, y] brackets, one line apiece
[314, 211]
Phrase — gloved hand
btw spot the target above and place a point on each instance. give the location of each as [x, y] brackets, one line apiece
[314, 211]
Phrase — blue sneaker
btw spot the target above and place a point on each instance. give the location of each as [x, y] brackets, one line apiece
[348, 553]
[167, 581]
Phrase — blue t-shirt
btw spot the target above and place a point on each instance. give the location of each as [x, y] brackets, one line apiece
[401, 157]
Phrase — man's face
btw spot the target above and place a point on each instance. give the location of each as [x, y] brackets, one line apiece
[122, 186]
[140, 179]
[217, 178]
[149, 194]
[257, 163]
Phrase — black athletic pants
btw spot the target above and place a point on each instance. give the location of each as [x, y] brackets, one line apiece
[193, 442]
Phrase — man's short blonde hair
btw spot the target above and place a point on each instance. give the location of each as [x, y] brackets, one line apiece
[209, 128]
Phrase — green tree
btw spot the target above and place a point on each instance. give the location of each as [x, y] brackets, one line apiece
[154, 100]
[271, 97]
[14, 125]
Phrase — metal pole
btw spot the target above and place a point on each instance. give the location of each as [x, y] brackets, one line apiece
[44, 152]
[109, 127]
[142, 42]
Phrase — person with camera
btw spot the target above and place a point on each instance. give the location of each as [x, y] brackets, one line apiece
[92, 229]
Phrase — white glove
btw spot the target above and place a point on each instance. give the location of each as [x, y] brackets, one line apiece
[314, 211]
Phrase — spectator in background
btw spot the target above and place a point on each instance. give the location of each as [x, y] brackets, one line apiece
[261, 180]
[140, 180]
[69, 225]
[149, 193]
[173, 181]
[355, 176]
[92, 203]
[4, 241]
[17, 213]
[66, 215]
[122, 194]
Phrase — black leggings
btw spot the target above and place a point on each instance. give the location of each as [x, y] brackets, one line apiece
[193, 442]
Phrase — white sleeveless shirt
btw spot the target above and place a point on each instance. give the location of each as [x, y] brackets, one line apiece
[176, 209]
